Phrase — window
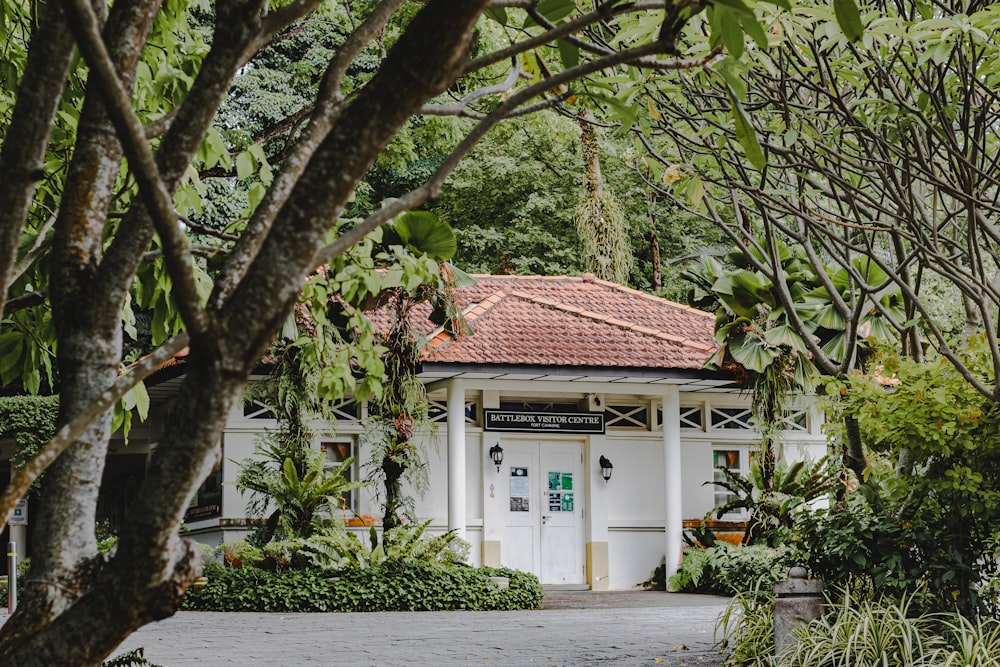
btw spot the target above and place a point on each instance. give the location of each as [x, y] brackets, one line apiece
[257, 410]
[736, 460]
[795, 420]
[337, 451]
[347, 410]
[626, 416]
[691, 417]
[437, 411]
[731, 418]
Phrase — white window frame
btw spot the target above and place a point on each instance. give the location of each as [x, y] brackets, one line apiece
[330, 446]
[744, 454]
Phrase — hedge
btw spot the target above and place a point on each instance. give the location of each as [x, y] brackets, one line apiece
[393, 587]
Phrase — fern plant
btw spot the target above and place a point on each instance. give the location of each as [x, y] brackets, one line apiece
[406, 544]
[306, 495]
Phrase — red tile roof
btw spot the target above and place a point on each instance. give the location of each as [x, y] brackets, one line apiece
[572, 321]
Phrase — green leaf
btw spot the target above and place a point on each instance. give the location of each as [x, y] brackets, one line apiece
[786, 335]
[731, 70]
[753, 28]
[569, 54]
[696, 191]
[733, 5]
[745, 291]
[732, 33]
[498, 14]
[427, 234]
[836, 347]
[556, 10]
[749, 352]
[745, 133]
[244, 165]
[871, 271]
[849, 19]
[141, 399]
[460, 277]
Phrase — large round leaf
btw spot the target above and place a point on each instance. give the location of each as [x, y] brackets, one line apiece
[427, 234]
[751, 353]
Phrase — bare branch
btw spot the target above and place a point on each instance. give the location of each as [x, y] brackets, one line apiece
[461, 106]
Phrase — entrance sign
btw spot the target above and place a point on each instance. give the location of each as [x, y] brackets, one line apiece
[534, 422]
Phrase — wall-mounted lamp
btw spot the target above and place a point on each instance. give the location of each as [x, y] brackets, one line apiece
[496, 453]
[606, 467]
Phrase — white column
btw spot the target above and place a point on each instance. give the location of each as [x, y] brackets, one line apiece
[456, 457]
[672, 477]
[18, 534]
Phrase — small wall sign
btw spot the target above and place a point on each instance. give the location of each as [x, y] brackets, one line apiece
[519, 489]
[20, 515]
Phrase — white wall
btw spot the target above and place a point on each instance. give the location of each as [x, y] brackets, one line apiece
[635, 492]
[632, 556]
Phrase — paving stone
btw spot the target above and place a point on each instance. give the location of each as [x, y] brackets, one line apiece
[628, 629]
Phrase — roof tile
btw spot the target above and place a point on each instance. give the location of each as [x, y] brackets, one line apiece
[572, 321]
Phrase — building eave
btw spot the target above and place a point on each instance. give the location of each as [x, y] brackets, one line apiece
[697, 380]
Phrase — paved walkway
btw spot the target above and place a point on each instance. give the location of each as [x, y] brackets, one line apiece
[573, 628]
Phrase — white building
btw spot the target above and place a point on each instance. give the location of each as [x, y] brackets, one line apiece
[559, 374]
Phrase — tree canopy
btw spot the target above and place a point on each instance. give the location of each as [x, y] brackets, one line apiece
[883, 147]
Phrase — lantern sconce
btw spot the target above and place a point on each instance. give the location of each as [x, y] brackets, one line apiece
[496, 453]
[606, 467]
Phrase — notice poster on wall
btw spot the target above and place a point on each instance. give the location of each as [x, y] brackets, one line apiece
[519, 489]
[560, 491]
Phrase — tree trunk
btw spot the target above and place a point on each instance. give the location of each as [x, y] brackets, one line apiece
[393, 471]
[600, 222]
[854, 459]
[88, 328]
[654, 243]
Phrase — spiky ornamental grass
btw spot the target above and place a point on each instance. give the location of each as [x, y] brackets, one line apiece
[860, 632]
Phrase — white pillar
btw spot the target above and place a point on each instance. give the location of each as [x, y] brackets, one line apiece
[18, 534]
[672, 477]
[456, 457]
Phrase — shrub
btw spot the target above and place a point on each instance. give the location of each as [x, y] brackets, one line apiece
[727, 569]
[240, 553]
[133, 658]
[774, 506]
[393, 586]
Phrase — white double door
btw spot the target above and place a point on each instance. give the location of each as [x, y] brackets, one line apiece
[545, 491]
